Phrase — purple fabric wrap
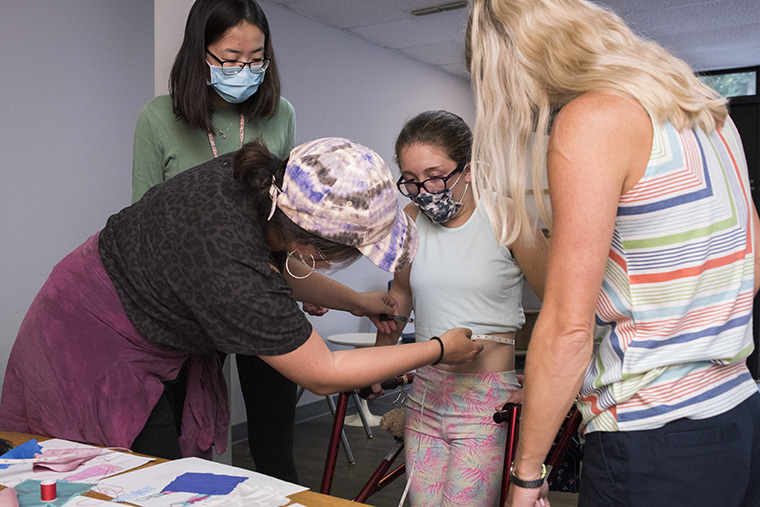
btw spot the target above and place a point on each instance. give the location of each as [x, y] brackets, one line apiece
[79, 370]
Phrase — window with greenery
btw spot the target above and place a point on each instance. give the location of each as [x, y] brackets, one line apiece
[732, 84]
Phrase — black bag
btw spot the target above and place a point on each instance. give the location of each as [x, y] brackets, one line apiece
[567, 474]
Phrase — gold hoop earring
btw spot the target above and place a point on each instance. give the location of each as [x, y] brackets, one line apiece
[287, 267]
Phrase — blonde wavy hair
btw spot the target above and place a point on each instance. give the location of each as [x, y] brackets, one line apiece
[528, 58]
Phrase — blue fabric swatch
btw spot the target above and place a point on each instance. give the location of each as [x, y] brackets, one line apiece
[23, 451]
[204, 484]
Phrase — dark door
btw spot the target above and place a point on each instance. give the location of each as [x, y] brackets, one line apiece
[745, 112]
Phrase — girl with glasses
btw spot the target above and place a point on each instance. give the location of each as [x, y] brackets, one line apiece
[461, 277]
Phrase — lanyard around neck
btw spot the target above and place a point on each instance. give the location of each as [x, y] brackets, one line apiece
[213, 144]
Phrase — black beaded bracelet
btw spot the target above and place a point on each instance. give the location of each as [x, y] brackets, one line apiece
[440, 358]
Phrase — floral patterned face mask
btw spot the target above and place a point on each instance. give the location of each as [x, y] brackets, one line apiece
[440, 207]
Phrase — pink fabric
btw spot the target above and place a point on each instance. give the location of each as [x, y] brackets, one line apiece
[89, 472]
[79, 370]
[63, 460]
[8, 498]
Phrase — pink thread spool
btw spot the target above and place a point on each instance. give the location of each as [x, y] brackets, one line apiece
[48, 491]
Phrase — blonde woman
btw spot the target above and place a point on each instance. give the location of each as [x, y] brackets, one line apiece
[651, 275]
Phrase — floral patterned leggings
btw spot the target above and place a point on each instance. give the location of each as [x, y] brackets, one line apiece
[454, 449]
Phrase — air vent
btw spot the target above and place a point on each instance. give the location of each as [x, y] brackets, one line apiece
[435, 9]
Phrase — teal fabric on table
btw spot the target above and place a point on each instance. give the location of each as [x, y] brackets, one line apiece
[28, 493]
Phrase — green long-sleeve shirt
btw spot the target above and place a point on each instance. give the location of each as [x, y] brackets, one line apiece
[165, 146]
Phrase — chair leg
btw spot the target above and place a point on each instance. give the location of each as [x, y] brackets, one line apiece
[344, 439]
[513, 414]
[362, 415]
[332, 447]
[379, 479]
[568, 429]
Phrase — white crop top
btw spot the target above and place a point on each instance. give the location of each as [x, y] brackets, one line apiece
[462, 277]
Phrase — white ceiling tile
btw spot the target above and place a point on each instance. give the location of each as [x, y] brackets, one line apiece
[708, 34]
[355, 13]
[441, 53]
[458, 69]
[709, 16]
[416, 31]
[722, 58]
[627, 7]
[724, 48]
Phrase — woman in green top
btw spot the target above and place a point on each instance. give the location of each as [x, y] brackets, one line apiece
[224, 91]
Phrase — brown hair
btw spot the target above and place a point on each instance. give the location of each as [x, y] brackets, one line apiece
[442, 129]
[207, 22]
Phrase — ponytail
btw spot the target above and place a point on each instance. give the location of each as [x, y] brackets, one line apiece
[256, 168]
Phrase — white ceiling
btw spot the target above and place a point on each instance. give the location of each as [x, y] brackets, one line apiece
[708, 34]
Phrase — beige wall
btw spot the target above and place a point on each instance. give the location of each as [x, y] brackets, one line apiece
[170, 17]
[65, 138]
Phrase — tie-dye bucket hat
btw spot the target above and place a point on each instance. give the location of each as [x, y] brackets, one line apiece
[344, 192]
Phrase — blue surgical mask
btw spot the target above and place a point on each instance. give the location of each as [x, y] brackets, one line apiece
[236, 88]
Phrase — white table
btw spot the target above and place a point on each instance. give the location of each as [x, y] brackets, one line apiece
[357, 340]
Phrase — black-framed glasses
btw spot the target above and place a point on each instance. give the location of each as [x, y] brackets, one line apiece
[232, 67]
[434, 185]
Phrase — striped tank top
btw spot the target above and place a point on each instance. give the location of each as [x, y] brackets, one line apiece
[674, 317]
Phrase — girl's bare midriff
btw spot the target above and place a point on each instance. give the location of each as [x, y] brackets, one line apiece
[494, 357]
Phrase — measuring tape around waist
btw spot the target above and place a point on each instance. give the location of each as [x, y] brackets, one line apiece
[491, 338]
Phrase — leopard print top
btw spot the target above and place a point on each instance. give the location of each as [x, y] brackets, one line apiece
[192, 270]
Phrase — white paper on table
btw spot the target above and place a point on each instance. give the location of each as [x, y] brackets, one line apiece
[249, 495]
[105, 464]
[86, 501]
[143, 487]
